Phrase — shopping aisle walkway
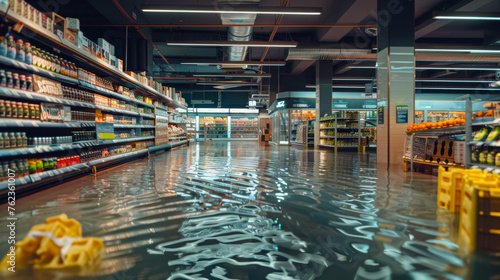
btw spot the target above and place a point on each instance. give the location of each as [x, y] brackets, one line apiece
[237, 210]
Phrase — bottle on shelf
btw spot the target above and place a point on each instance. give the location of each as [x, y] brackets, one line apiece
[29, 54]
[3, 46]
[11, 48]
[20, 54]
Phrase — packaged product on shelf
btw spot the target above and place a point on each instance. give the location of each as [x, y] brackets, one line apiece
[51, 112]
[46, 86]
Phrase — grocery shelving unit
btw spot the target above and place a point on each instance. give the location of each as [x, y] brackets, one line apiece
[244, 128]
[418, 143]
[477, 124]
[340, 131]
[134, 131]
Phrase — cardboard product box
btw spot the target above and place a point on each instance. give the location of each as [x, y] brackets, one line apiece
[37, 17]
[86, 44]
[73, 24]
[43, 20]
[26, 10]
[79, 39]
[112, 61]
[50, 25]
[131, 74]
[105, 56]
[4, 4]
[111, 49]
[491, 105]
[18, 7]
[103, 44]
[93, 48]
[120, 64]
[46, 86]
[31, 13]
[98, 52]
[66, 114]
[55, 22]
[69, 35]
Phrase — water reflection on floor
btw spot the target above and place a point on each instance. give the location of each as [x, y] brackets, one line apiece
[243, 211]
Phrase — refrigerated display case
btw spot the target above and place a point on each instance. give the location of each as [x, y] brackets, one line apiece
[244, 128]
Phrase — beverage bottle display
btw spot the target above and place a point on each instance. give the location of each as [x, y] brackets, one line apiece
[10, 81]
[3, 78]
[28, 53]
[3, 46]
[35, 56]
[20, 54]
[483, 155]
[11, 48]
[491, 157]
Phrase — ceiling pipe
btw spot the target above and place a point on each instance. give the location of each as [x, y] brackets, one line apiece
[126, 15]
[236, 32]
[286, 3]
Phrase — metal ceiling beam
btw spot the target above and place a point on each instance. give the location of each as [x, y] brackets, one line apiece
[127, 16]
[299, 66]
[345, 11]
[286, 3]
[430, 25]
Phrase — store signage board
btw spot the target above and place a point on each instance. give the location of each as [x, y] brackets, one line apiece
[105, 131]
[401, 113]
[381, 115]
[355, 104]
[281, 104]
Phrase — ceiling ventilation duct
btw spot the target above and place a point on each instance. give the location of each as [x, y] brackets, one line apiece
[238, 33]
[328, 53]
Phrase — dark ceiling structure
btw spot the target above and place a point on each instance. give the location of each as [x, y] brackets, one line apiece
[217, 46]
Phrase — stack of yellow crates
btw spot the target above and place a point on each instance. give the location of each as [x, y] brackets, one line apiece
[475, 194]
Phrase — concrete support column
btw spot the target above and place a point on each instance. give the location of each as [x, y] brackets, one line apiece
[395, 78]
[324, 74]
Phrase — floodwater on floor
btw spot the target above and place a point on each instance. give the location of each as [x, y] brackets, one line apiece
[239, 210]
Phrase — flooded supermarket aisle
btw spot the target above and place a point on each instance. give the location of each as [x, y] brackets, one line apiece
[239, 210]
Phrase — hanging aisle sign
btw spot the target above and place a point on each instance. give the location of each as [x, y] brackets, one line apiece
[402, 114]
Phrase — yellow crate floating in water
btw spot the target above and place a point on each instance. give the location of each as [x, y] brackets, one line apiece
[57, 244]
[480, 213]
[450, 186]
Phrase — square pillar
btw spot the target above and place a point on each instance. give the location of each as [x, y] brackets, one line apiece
[395, 78]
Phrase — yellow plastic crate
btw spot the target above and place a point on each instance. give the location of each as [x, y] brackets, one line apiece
[450, 187]
[480, 213]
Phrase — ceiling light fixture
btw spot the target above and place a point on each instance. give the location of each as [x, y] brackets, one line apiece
[240, 63]
[304, 11]
[254, 44]
[351, 79]
[233, 75]
[466, 16]
[485, 51]
[458, 68]
[225, 83]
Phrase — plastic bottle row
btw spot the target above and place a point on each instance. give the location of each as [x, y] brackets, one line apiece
[16, 80]
[12, 109]
[485, 155]
[24, 52]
